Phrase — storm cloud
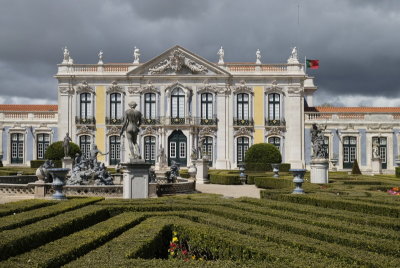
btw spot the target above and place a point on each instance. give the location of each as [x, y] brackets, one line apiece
[356, 41]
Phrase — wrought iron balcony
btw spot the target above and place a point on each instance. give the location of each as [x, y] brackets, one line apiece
[151, 121]
[179, 121]
[243, 122]
[208, 121]
[114, 121]
[85, 120]
[275, 122]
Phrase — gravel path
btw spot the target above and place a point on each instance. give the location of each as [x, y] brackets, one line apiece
[234, 191]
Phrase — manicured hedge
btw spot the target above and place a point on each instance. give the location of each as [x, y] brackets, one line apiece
[284, 167]
[263, 153]
[337, 203]
[226, 179]
[23, 205]
[28, 217]
[397, 172]
[273, 183]
[56, 150]
[76, 244]
[353, 182]
[16, 241]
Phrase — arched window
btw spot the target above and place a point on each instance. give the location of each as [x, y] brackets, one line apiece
[382, 149]
[85, 105]
[150, 149]
[150, 106]
[17, 148]
[42, 142]
[242, 111]
[207, 149]
[115, 106]
[349, 151]
[274, 107]
[242, 147]
[115, 150]
[178, 103]
[84, 145]
[275, 141]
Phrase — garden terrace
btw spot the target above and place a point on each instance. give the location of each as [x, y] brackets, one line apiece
[320, 229]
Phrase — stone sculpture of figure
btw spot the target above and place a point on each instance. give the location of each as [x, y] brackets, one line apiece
[375, 149]
[174, 173]
[161, 157]
[44, 170]
[136, 55]
[132, 122]
[94, 151]
[258, 56]
[294, 53]
[221, 54]
[317, 140]
[78, 159]
[66, 144]
[66, 55]
[100, 57]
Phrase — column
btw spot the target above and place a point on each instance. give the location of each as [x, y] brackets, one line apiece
[222, 141]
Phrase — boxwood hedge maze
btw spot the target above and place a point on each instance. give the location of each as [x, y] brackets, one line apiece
[201, 231]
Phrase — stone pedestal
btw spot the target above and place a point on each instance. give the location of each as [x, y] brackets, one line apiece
[40, 189]
[376, 166]
[135, 179]
[67, 163]
[298, 179]
[319, 171]
[202, 171]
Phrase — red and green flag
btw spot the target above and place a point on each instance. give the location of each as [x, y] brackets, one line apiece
[312, 64]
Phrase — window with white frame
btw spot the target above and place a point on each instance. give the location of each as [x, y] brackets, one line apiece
[242, 108]
[178, 103]
[207, 148]
[42, 142]
[172, 149]
[17, 148]
[349, 151]
[115, 106]
[242, 147]
[274, 105]
[85, 105]
[206, 106]
[115, 150]
[275, 141]
[150, 149]
[150, 105]
[84, 145]
[182, 150]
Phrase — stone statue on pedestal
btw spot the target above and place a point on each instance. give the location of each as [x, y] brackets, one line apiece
[132, 122]
[161, 157]
[100, 57]
[136, 55]
[258, 57]
[317, 140]
[375, 149]
[221, 54]
[66, 144]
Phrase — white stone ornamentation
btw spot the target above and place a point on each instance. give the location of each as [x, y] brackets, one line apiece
[136, 55]
[149, 87]
[115, 88]
[274, 88]
[293, 59]
[134, 90]
[114, 130]
[149, 131]
[258, 56]
[176, 63]
[221, 54]
[100, 57]
[242, 88]
[66, 90]
[84, 130]
[207, 131]
[84, 87]
[242, 131]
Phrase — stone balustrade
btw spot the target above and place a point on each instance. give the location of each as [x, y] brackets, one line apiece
[381, 117]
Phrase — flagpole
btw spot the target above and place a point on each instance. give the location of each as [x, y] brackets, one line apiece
[305, 65]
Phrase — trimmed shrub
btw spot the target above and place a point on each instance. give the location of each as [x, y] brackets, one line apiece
[225, 179]
[36, 163]
[272, 183]
[266, 167]
[263, 153]
[356, 169]
[56, 150]
[397, 172]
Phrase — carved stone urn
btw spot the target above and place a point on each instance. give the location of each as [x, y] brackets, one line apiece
[275, 169]
[58, 175]
[298, 179]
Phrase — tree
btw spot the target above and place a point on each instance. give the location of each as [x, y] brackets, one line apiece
[356, 169]
[260, 156]
[56, 151]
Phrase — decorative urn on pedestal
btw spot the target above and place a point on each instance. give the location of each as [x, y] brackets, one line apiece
[242, 175]
[298, 179]
[275, 169]
[58, 175]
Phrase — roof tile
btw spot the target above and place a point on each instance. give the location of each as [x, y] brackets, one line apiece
[29, 107]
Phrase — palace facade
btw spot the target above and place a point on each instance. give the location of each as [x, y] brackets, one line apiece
[189, 102]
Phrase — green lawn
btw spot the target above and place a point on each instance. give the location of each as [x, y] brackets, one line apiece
[352, 222]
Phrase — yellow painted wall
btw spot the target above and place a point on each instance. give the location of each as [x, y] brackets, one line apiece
[100, 104]
[259, 114]
[100, 121]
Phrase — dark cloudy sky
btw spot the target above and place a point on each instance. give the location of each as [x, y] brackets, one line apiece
[356, 41]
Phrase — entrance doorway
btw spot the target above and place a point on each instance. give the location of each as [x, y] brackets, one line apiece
[177, 145]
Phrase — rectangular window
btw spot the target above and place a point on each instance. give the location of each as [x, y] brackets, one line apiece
[346, 154]
[352, 154]
[182, 150]
[172, 149]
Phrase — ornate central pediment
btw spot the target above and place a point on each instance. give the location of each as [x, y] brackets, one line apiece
[178, 61]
